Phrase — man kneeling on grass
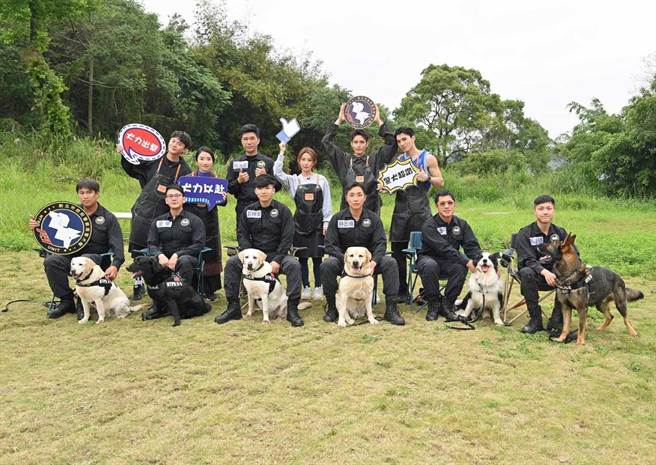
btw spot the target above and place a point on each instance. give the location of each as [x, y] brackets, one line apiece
[266, 225]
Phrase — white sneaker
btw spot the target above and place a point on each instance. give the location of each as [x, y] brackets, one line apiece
[318, 293]
[306, 294]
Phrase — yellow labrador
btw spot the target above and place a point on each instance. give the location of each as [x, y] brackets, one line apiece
[92, 287]
[263, 289]
[353, 298]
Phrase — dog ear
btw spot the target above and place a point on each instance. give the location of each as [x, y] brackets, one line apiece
[261, 256]
[367, 254]
[88, 265]
[241, 256]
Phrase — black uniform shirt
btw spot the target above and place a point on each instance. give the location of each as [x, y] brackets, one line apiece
[269, 229]
[246, 192]
[105, 235]
[184, 235]
[443, 241]
[344, 232]
[528, 242]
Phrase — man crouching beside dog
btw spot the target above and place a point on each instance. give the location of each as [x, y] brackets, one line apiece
[356, 226]
[536, 266]
[105, 236]
[266, 225]
[442, 236]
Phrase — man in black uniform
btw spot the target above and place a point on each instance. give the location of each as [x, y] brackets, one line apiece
[154, 177]
[266, 225]
[245, 169]
[358, 167]
[175, 238]
[535, 266]
[357, 226]
[442, 236]
[106, 235]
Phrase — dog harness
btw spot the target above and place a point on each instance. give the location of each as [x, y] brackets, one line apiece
[576, 280]
[266, 278]
[102, 282]
[177, 281]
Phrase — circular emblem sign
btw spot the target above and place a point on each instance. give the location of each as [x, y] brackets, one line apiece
[554, 238]
[360, 112]
[274, 213]
[63, 228]
[456, 230]
[366, 222]
[141, 143]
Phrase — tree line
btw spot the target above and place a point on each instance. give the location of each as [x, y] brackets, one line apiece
[87, 67]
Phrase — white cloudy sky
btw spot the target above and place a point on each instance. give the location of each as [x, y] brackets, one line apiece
[546, 53]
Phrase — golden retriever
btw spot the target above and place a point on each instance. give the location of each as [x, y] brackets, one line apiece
[353, 298]
[92, 287]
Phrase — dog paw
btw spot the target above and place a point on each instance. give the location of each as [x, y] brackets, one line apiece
[99, 321]
[499, 323]
[374, 321]
[266, 322]
[176, 323]
[341, 323]
[83, 321]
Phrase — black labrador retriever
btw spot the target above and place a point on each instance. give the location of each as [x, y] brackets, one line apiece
[170, 294]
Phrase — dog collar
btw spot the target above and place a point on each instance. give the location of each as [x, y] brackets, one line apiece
[344, 273]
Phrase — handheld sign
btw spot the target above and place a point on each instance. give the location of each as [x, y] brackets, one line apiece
[201, 189]
[289, 130]
[360, 112]
[141, 143]
[63, 228]
[398, 176]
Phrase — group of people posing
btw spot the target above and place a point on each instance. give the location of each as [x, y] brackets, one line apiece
[163, 225]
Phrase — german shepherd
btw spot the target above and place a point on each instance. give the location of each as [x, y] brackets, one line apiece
[580, 287]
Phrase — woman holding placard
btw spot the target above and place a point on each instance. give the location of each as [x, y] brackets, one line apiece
[311, 194]
[213, 265]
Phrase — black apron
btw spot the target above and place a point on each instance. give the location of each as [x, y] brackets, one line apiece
[149, 205]
[364, 176]
[411, 209]
[308, 219]
[213, 265]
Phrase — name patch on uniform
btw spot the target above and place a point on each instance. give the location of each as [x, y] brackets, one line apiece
[164, 224]
[184, 222]
[344, 224]
[441, 230]
[536, 240]
[359, 179]
[309, 196]
[240, 165]
[253, 213]
[174, 284]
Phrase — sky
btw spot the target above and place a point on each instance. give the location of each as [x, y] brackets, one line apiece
[545, 53]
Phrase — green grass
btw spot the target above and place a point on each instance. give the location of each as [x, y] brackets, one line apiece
[134, 392]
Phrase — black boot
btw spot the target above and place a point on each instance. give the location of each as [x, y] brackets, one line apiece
[392, 313]
[64, 306]
[79, 309]
[331, 312]
[447, 311]
[154, 312]
[433, 310]
[138, 290]
[555, 324]
[292, 313]
[403, 296]
[535, 323]
[233, 312]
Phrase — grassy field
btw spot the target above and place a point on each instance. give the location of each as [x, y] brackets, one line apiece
[134, 392]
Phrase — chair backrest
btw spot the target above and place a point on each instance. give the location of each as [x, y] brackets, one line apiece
[415, 240]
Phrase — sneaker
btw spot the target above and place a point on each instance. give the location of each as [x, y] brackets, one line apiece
[318, 293]
[306, 294]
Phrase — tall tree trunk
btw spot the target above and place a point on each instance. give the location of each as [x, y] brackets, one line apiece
[90, 99]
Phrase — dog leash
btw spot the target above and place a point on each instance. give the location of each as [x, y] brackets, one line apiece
[6, 309]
